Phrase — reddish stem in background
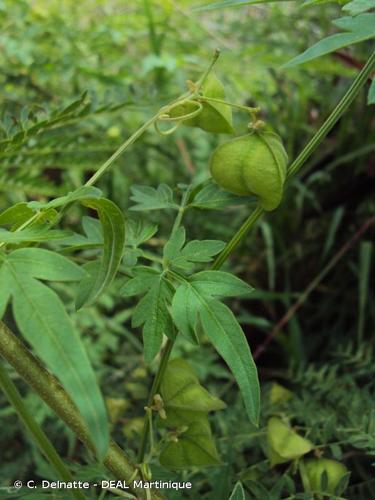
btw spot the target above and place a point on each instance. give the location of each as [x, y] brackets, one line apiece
[349, 60]
[292, 310]
[180, 143]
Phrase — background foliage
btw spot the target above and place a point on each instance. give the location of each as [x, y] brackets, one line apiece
[118, 63]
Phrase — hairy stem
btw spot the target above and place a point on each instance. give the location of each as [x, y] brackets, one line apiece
[295, 166]
[49, 389]
[40, 438]
[40, 379]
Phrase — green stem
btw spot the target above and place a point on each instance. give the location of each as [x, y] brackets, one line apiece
[151, 28]
[43, 382]
[107, 164]
[154, 388]
[208, 71]
[181, 211]
[166, 352]
[49, 389]
[103, 168]
[133, 138]
[234, 242]
[305, 154]
[40, 438]
[167, 349]
[333, 118]
[24, 225]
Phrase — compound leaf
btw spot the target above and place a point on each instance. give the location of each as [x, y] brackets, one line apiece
[113, 226]
[43, 321]
[194, 300]
[152, 312]
[357, 29]
[32, 234]
[148, 198]
[185, 307]
[212, 197]
[176, 255]
[356, 7]
[45, 265]
[137, 232]
[226, 335]
[220, 284]
[173, 247]
[144, 278]
[16, 215]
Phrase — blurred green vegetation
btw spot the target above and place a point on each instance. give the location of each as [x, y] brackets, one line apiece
[131, 58]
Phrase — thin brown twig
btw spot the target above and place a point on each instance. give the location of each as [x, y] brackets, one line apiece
[349, 60]
[294, 308]
[180, 143]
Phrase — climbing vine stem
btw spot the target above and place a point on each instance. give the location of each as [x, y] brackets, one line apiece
[294, 167]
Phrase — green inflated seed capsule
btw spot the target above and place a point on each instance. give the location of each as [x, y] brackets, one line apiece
[283, 443]
[214, 117]
[253, 164]
[313, 470]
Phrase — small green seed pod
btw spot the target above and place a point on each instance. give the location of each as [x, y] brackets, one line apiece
[253, 164]
[283, 443]
[214, 117]
[312, 471]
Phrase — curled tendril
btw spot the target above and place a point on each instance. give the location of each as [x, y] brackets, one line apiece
[166, 118]
[177, 119]
[166, 132]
